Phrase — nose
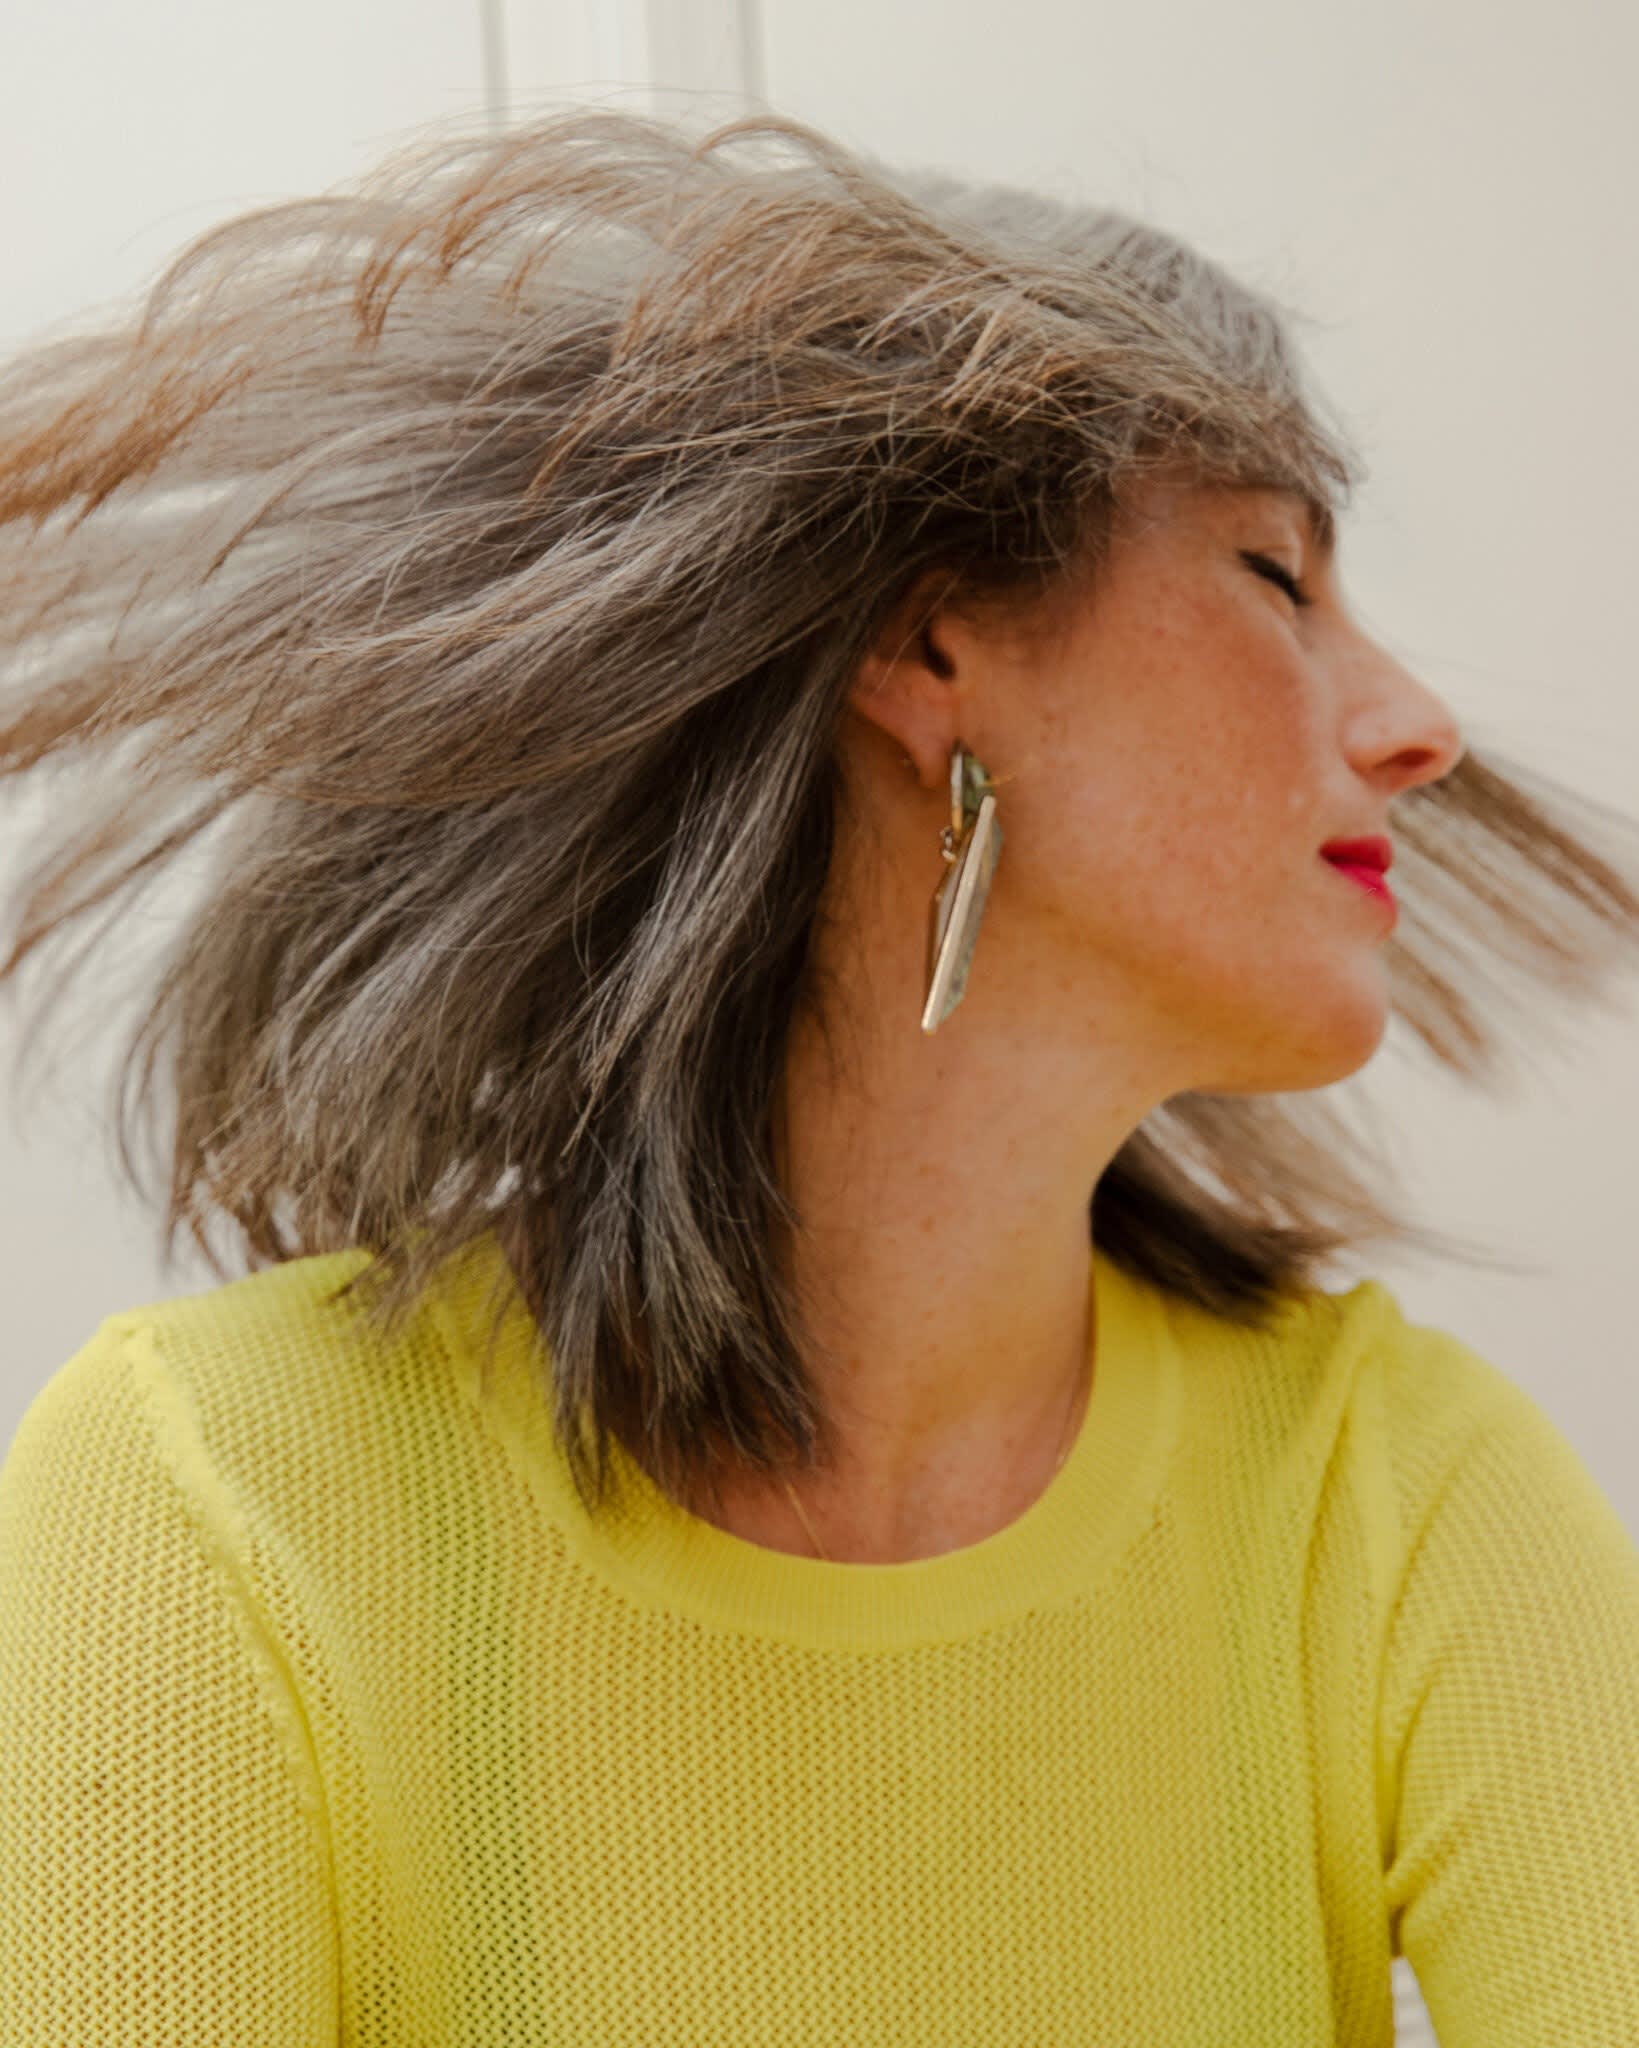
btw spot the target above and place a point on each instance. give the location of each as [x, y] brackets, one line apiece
[1401, 721]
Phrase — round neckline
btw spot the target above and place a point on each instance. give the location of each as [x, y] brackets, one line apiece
[665, 1558]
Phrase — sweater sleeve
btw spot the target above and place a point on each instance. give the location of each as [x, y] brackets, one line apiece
[163, 1872]
[1509, 1724]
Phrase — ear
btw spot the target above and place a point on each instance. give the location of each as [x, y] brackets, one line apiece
[913, 682]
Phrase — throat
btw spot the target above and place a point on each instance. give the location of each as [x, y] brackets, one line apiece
[857, 1525]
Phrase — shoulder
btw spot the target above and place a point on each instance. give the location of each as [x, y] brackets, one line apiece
[1354, 1390]
[1363, 1342]
[1435, 1386]
[1470, 1463]
[261, 1387]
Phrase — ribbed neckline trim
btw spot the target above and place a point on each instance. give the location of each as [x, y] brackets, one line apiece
[666, 1559]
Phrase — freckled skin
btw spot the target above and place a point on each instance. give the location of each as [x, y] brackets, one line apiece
[1169, 760]
[1178, 765]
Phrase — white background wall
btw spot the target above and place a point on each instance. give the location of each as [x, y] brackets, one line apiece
[1445, 191]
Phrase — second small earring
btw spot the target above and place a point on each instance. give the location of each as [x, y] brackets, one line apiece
[970, 844]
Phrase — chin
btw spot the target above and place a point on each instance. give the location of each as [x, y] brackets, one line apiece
[1353, 1046]
[1308, 1050]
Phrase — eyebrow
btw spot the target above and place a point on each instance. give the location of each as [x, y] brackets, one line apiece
[1316, 514]
[1318, 517]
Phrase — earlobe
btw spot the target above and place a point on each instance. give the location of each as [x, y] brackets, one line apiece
[910, 709]
[916, 738]
[909, 684]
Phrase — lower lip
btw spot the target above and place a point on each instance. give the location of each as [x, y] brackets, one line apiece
[1369, 879]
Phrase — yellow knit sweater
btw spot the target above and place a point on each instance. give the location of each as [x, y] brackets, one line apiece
[326, 1716]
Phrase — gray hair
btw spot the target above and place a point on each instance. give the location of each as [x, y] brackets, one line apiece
[490, 547]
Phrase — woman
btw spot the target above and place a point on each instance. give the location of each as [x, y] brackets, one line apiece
[784, 1472]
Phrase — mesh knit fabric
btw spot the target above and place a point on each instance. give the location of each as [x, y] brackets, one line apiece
[327, 1716]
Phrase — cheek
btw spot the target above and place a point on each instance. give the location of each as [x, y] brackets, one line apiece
[1259, 784]
[1168, 878]
[1107, 863]
[1173, 802]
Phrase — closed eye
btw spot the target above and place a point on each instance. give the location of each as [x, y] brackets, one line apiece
[1274, 573]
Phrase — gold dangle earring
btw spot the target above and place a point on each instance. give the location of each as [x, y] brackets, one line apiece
[969, 844]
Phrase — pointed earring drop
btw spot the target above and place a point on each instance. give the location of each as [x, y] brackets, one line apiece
[970, 844]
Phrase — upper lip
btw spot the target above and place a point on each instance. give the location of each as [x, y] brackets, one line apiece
[1366, 853]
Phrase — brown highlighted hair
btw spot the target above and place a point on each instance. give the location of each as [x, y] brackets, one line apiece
[480, 556]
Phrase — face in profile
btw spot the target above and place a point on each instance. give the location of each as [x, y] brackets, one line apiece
[1170, 769]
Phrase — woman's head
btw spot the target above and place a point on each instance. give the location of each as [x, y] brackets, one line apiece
[496, 553]
[1172, 750]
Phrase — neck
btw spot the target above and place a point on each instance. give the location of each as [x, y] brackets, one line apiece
[814, 1517]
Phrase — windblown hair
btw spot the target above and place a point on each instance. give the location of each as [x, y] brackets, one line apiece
[488, 547]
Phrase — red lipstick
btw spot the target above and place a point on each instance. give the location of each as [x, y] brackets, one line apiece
[1364, 862]
[1361, 853]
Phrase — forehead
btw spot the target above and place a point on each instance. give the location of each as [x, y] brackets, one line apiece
[1163, 500]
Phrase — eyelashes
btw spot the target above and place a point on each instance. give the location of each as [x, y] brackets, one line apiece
[1272, 572]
